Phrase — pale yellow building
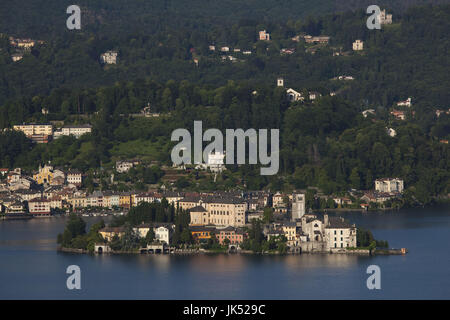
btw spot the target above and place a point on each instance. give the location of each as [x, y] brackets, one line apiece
[45, 175]
[35, 129]
[219, 211]
[125, 200]
[358, 45]
[108, 233]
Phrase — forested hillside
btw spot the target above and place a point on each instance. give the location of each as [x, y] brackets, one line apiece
[407, 58]
[325, 143]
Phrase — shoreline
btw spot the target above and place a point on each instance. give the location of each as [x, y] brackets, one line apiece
[361, 252]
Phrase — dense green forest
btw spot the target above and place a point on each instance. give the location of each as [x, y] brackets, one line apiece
[408, 58]
[325, 143]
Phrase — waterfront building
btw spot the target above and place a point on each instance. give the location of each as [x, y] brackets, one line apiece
[377, 197]
[125, 200]
[14, 208]
[329, 233]
[39, 207]
[222, 211]
[338, 233]
[56, 202]
[234, 235]
[108, 233]
[292, 233]
[163, 231]
[202, 233]
[78, 202]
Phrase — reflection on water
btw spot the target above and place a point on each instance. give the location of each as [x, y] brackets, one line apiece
[31, 267]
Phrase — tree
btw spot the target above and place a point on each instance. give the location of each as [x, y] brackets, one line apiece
[355, 179]
[150, 236]
[186, 236]
[76, 225]
[268, 215]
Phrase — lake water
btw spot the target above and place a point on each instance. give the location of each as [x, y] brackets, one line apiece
[30, 267]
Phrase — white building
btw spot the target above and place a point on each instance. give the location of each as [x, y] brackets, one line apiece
[125, 166]
[293, 95]
[35, 129]
[391, 132]
[263, 35]
[162, 231]
[109, 57]
[280, 82]
[39, 207]
[313, 95]
[16, 57]
[389, 185]
[339, 234]
[75, 130]
[334, 232]
[226, 211]
[405, 103]
[298, 206]
[358, 45]
[368, 112]
[162, 234]
[75, 177]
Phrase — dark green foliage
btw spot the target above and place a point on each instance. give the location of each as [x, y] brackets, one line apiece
[364, 238]
[327, 144]
[75, 236]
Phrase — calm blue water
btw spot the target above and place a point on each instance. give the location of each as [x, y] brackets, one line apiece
[30, 267]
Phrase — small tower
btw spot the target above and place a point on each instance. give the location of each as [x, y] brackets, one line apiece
[280, 82]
